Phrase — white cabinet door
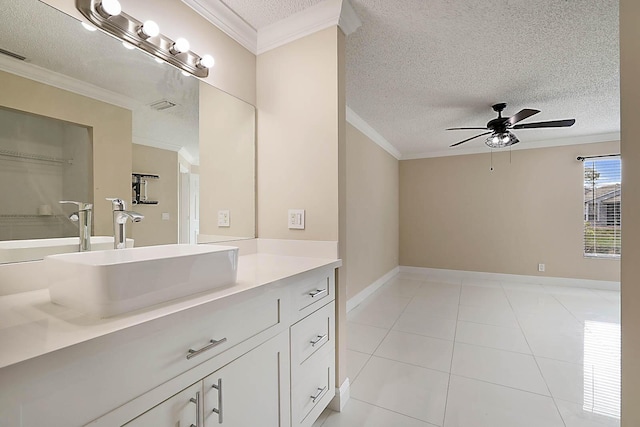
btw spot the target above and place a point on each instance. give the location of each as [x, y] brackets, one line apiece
[252, 390]
[180, 410]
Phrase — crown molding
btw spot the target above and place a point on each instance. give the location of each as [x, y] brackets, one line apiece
[359, 123]
[51, 78]
[220, 15]
[308, 21]
[548, 143]
[349, 21]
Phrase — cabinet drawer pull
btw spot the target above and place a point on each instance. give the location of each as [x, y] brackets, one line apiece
[320, 338]
[319, 394]
[193, 353]
[218, 410]
[317, 292]
[197, 402]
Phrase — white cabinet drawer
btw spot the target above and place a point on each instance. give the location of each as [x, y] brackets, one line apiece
[179, 410]
[313, 293]
[315, 333]
[312, 389]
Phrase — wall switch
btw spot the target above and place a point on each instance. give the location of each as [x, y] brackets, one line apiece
[223, 219]
[166, 216]
[295, 219]
[541, 267]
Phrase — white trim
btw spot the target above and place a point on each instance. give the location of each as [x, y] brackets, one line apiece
[188, 157]
[51, 78]
[138, 140]
[364, 127]
[357, 299]
[342, 396]
[308, 21]
[348, 21]
[483, 149]
[227, 21]
[515, 278]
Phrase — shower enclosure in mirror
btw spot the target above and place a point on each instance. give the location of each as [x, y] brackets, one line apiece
[84, 114]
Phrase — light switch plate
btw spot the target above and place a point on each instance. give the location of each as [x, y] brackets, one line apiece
[223, 218]
[295, 219]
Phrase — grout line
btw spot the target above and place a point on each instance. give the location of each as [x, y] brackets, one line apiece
[395, 412]
[446, 398]
[535, 360]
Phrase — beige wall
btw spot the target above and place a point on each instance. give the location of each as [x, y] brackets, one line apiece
[111, 131]
[301, 149]
[630, 129]
[297, 101]
[153, 230]
[235, 68]
[227, 163]
[457, 214]
[372, 211]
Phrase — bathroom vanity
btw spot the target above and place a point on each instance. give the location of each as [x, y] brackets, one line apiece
[260, 352]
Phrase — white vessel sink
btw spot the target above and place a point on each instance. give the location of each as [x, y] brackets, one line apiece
[108, 283]
[35, 249]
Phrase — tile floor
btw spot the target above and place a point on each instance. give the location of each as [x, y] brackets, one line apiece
[423, 352]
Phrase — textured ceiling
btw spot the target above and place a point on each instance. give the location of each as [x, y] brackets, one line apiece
[416, 67]
[259, 14]
[57, 42]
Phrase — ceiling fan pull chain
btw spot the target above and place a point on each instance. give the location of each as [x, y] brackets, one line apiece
[492, 160]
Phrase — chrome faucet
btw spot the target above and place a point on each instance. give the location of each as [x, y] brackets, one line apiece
[83, 218]
[120, 216]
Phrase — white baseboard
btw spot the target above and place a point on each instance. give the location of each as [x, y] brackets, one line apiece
[342, 396]
[438, 273]
[355, 300]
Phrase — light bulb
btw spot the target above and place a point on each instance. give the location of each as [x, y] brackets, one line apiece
[128, 45]
[89, 27]
[148, 29]
[185, 73]
[158, 60]
[108, 8]
[206, 61]
[179, 46]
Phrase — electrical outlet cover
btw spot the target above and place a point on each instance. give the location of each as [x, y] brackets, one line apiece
[223, 218]
[295, 219]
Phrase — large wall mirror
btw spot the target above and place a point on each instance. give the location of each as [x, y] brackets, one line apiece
[83, 118]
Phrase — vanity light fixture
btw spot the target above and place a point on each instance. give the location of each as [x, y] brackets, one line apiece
[107, 15]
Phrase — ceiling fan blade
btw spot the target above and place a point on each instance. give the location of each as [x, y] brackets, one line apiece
[521, 115]
[469, 139]
[467, 128]
[550, 124]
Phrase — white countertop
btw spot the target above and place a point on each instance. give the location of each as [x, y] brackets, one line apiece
[31, 325]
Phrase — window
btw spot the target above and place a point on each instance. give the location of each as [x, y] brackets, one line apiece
[602, 190]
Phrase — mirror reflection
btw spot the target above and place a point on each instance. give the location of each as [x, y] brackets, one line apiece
[84, 119]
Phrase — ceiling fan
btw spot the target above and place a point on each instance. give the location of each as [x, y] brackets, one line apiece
[500, 127]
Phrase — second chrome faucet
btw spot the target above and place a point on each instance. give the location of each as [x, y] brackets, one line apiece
[120, 216]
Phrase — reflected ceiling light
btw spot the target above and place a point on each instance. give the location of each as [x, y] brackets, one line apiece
[179, 46]
[148, 29]
[89, 27]
[109, 8]
[206, 61]
[144, 35]
[501, 139]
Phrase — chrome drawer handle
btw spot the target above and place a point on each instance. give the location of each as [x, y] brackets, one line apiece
[193, 353]
[197, 402]
[319, 394]
[320, 338]
[317, 292]
[218, 410]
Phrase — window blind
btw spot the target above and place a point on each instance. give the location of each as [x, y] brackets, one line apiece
[602, 220]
